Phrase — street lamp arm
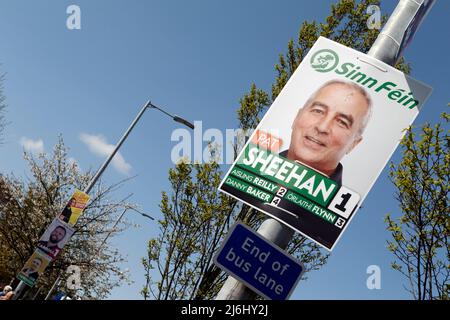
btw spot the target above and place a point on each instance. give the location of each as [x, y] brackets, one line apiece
[146, 215]
[151, 105]
[133, 207]
[174, 117]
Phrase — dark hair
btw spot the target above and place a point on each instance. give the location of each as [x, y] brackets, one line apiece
[65, 231]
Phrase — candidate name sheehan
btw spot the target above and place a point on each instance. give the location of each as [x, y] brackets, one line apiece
[294, 176]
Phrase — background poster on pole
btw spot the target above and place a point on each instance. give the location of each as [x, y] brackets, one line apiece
[33, 268]
[324, 141]
[74, 208]
[55, 237]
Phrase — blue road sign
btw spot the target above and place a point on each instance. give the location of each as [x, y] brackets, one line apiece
[261, 265]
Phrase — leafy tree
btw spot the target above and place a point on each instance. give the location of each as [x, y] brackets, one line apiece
[27, 207]
[420, 236]
[196, 217]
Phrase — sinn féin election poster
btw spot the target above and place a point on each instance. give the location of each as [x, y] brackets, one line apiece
[322, 144]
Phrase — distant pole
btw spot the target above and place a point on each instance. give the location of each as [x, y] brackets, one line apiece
[36, 294]
[22, 286]
[398, 31]
[56, 283]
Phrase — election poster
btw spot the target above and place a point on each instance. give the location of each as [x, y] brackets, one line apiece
[324, 141]
[74, 208]
[33, 268]
[55, 237]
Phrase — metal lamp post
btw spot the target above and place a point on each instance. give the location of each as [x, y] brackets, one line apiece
[148, 105]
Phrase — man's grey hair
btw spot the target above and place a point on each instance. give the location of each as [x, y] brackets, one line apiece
[352, 85]
[7, 289]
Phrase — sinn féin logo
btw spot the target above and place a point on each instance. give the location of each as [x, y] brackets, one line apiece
[324, 60]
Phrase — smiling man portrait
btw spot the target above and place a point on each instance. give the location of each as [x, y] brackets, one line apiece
[329, 126]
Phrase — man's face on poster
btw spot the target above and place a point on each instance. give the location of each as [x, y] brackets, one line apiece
[328, 127]
[35, 265]
[72, 202]
[57, 235]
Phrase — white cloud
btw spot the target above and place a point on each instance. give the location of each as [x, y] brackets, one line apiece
[97, 145]
[30, 145]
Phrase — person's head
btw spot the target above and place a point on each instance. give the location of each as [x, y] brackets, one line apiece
[7, 289]
[57, 234]
[71, 202]
[330, 125]
[35, 264]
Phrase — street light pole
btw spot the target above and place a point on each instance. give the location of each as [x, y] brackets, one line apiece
[21, 286]
[112, 229]
[387, 48]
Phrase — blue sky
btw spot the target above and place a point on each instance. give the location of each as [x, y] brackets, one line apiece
[196, 59]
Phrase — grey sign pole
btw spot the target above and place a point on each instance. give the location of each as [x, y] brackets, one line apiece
[401, 26]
